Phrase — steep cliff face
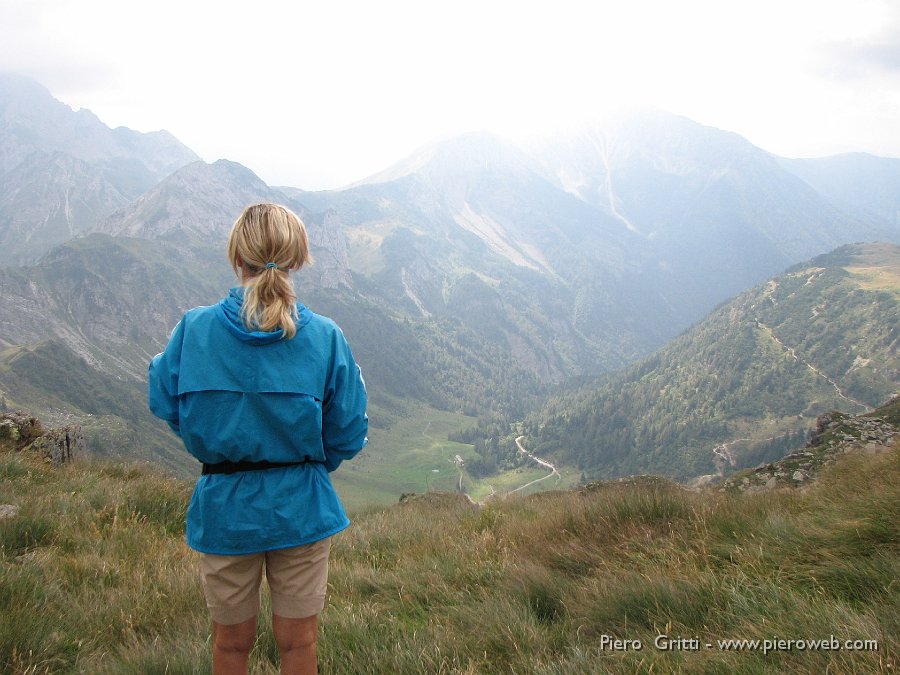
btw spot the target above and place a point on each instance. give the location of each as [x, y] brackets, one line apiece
[331, 251]
[53, 198]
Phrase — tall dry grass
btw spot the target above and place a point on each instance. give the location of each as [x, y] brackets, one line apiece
[95, 578]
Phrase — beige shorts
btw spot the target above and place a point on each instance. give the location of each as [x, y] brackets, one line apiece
[297, 580]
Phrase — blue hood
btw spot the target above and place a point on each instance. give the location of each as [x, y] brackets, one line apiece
[229, 312]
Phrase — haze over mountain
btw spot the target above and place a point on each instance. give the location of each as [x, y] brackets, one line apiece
[471, 277]
[710, 204]
[468, 230]
[859, 183]
[655, 207]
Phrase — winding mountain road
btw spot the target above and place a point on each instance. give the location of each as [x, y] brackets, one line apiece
[542, 462]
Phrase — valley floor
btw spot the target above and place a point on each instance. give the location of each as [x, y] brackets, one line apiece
[412, 455]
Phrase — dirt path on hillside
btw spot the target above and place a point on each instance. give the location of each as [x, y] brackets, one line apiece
[722, 456]
[494, 494]
[793, 353]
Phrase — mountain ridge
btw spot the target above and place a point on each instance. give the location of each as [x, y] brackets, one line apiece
[861, 183]
[35, 120]
[63, 170]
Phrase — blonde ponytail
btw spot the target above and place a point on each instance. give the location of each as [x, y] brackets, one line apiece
[267, 242]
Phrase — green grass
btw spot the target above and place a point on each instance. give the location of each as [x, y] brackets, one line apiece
[94, 565]
[95, 577]
[537, 584]
[411, 454]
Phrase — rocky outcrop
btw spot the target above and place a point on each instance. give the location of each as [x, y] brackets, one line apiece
[20, 432]
[59, 446]
[330, 248]
[18, 429]
[836, 434]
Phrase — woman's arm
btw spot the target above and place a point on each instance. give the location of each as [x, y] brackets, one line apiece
[344, 420]
[162, 380]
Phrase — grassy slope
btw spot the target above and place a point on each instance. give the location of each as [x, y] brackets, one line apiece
[60, 388]
[96, 577]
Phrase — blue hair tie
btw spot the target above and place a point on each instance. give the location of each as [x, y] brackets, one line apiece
[271, 265]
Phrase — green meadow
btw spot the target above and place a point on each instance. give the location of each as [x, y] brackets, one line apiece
[408, 452]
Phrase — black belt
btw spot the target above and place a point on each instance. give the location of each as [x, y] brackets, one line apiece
[243, 465]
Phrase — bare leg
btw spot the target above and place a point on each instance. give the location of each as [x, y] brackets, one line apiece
[296, 640]
[231, 647]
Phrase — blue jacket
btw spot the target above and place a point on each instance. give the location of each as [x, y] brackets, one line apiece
[235, 394]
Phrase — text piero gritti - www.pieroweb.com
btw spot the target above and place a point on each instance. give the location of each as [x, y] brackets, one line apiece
[664, 642]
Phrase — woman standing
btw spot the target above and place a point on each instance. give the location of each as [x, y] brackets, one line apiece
[267, 396]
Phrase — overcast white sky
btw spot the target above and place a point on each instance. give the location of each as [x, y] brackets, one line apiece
[321, 94]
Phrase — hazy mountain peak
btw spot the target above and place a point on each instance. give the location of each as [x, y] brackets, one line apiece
[16, 87]
[235, 174]
[31, 119]
[469, 151]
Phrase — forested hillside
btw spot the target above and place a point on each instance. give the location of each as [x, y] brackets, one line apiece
[743, 385]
